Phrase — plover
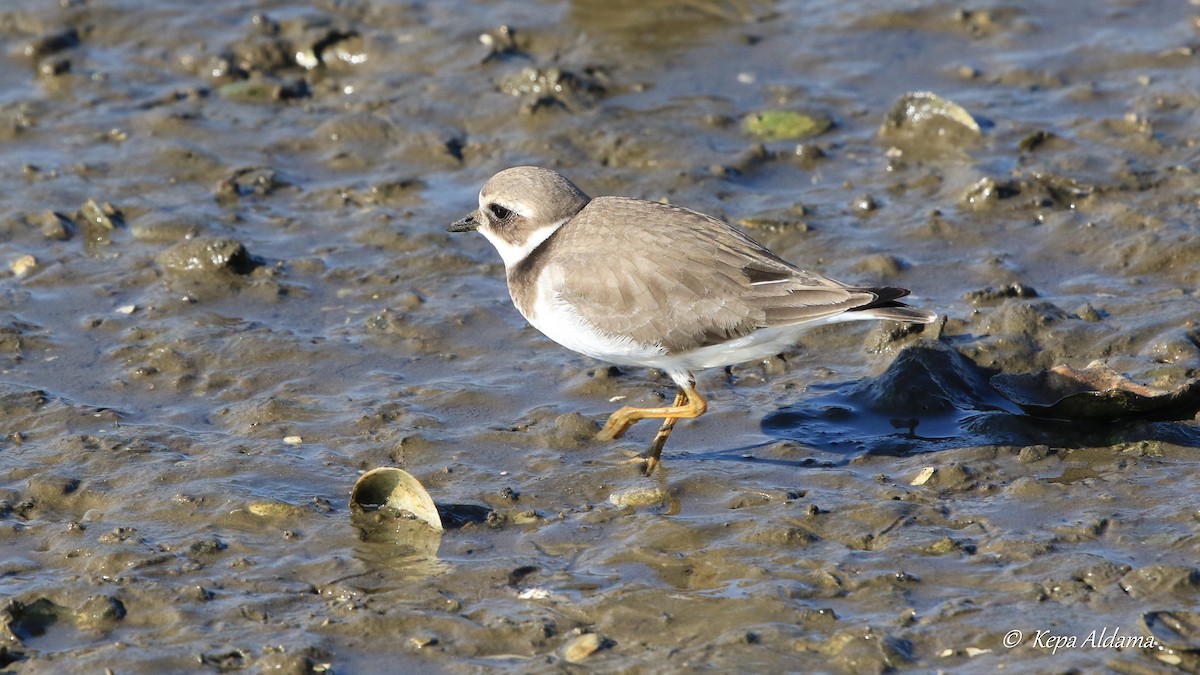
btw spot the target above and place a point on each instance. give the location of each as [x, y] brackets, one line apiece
[642, 283]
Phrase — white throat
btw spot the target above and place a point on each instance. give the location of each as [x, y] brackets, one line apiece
[514, 254]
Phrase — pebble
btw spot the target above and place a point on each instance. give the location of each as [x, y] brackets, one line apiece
[638, 496]
[581, 647]
[923, 477]
[22, 266]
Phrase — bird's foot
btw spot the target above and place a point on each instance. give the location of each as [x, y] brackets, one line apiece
[648, 461]
[616, 426]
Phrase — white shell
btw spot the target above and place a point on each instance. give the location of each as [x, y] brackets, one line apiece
[397, 489]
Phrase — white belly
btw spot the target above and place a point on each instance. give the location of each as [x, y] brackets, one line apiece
[560, 322]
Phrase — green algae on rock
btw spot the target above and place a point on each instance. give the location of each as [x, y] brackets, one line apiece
[783, 125]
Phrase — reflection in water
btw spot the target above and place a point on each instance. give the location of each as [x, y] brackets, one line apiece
[390, 559]
[931, 398]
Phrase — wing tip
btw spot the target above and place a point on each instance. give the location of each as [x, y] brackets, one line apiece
[885, 305]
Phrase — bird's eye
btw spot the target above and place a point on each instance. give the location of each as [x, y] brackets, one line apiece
[500, 212]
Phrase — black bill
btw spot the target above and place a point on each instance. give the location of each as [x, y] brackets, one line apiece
[465, 225]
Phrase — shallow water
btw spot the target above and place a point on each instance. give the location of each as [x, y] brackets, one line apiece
[193, 376]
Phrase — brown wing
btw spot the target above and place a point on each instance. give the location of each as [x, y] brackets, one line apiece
[663, 274]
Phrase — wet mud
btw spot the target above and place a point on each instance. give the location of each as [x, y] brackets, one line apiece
[226, 291]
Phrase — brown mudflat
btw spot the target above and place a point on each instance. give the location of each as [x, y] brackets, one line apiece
[226, 292]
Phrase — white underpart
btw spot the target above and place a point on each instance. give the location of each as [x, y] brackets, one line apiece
[561, 322]
[513, 254]
[761, 344]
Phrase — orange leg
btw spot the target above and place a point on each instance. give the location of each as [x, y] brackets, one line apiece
[688, 404]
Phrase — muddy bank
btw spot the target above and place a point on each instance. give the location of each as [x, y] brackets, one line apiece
[227, 291]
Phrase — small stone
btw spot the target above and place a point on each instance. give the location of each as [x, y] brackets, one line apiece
[1015, 289]
[293, 440]
[206, 256]
[583, 646]
[987, 191]
[274, 509]
[422, 641]
[205, 547]
[923, 477]
[100, 612]
[807, 152]
[54, 66]
[1034, 141]
[164, 228]
[501, 42]
[1033, 453]
[639, 496]
[865, 204]
[525, 517]
[21, 266]
[52, 43]
[104, 215]
[55, 226]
